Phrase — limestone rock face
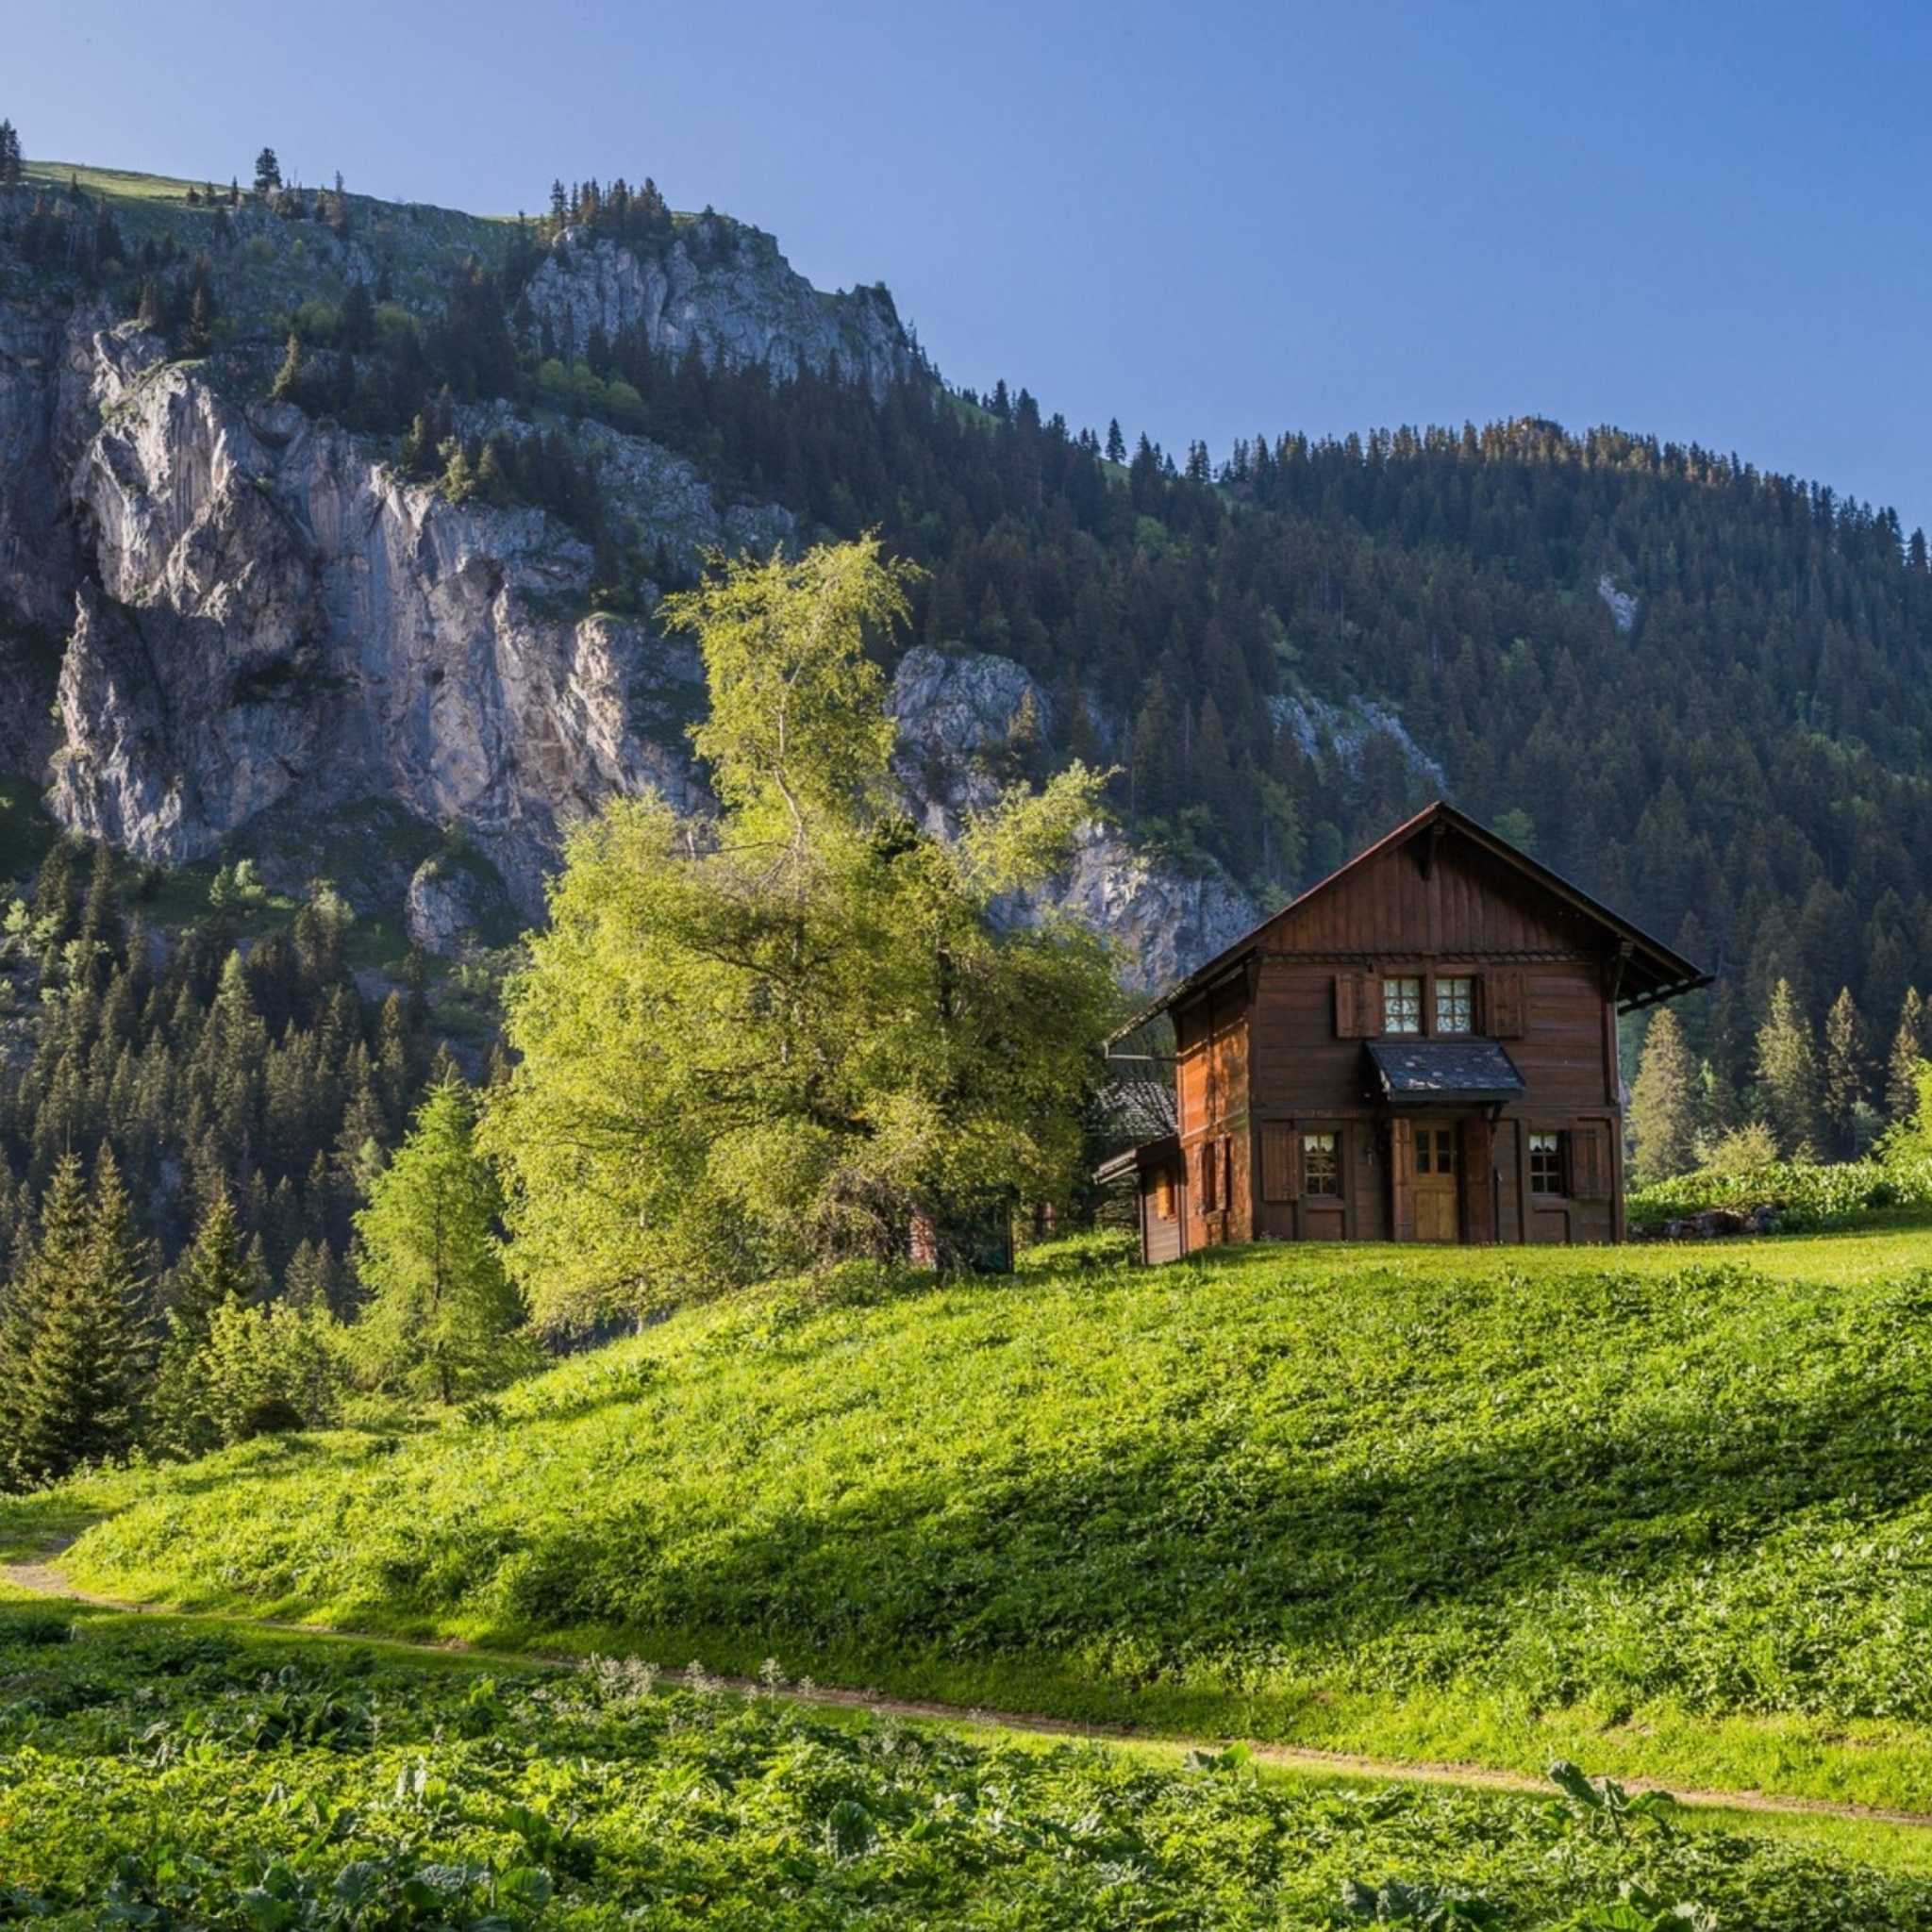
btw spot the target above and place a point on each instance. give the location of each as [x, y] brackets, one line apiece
[957, 718]
[729, 291]
[272, 615]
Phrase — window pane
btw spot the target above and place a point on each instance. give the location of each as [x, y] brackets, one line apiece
[1454, 1006]
[1321, 1169]
[1402, 1006]
[1546, 1163]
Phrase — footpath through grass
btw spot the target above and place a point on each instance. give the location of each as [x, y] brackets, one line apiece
[1665, 1513]
[156, 1772]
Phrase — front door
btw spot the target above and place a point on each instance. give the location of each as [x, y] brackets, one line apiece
[1438, 1216]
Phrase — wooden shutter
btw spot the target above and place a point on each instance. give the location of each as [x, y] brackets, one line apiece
[1479, 1187]
[1402, 1179]
[1205, 1165]
[1358, 1006]
[1504, 1004]
[1279, 1147]
[1589, 1164]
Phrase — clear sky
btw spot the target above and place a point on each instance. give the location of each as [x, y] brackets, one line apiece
[1705, 218]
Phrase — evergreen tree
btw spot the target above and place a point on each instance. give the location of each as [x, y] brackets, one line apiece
[73, 1356]
[268, 172]
[11, 158]
[1909, 1048]
[1786, 1068]
[442, 1318]
[1846, 1073]
[1663, 1103]
[1116, 442]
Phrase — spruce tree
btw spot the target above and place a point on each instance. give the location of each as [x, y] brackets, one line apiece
[1786, 1066]
[216, 1271]
[74, 1346]
[1845, 1074]
[1663, 1103]
[1908, 1046]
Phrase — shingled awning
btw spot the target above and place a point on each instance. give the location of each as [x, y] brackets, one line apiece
[1466, 1072]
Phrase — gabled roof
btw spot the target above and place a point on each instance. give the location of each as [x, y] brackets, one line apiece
[1652, 971]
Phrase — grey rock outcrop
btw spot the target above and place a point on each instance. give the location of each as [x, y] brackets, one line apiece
[957, 718]
[272, 615]
[727, 289]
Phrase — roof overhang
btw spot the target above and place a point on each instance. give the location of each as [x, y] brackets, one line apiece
[1445, 1072]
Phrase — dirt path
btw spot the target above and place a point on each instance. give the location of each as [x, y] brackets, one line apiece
[42, 1578]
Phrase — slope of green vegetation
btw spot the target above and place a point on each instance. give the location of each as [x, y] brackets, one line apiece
[1663, 1514]
[164, 1774]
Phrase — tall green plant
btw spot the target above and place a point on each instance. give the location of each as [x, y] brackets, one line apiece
[444, 1316]
[790, 1033]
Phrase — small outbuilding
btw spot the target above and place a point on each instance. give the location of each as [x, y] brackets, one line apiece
[1421, 1048]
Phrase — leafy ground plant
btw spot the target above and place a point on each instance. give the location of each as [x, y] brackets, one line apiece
[1659, 1515]
[163, 1773]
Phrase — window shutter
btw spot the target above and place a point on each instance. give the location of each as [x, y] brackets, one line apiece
[1402, 1179]
[1589, 1164]
[1358, 1006]
[1504, 1004]
[1278, 1149]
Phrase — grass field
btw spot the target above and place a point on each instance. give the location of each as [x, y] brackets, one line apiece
[1666, 1513]
[156, 1772]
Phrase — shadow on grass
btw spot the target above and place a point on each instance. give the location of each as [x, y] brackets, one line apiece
[1196, 1561]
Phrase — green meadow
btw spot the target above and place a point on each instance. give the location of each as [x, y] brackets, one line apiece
[163, 1772]
[1667, 1513]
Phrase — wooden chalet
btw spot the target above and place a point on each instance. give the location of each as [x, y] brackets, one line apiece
[1421, 1048]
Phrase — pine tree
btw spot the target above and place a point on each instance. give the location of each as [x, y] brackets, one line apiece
[1786, 1066]
[73, 1361]
[442, 1316]
[268, 172]
[1845, 1075]
[11, 159]
[1663, 1103]
[1909, 1048]
[1116, 442]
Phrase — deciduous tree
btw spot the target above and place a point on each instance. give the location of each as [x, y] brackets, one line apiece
[785, 1035]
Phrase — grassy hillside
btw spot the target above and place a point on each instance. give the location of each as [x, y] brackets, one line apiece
[1660, 1513]
[162, 1774]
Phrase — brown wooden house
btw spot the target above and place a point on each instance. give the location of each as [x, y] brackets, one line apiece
[1422, 1047]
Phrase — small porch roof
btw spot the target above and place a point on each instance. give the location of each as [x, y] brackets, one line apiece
[1445, 1072]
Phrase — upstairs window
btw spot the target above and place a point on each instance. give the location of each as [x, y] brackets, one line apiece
[1321, 1167]
[1546, 1164]
[1402, 1006]
[1456, 1004]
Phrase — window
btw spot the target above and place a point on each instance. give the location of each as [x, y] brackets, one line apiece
[1546, 1164]
[1320, 1166]
[1456, 1004]
[1435, 1150]
[1402, 1006]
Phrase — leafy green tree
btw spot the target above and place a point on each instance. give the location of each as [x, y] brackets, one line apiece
[1787, 1067]
[1663, 1103]
[442, 1317]
[792, 1034]
[72, 1346]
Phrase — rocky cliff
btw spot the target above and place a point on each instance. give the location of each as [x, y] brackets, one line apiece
[218, 612]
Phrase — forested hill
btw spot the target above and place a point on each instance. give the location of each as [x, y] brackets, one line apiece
[1699, 690]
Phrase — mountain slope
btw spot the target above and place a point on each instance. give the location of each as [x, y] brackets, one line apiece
[465, 456]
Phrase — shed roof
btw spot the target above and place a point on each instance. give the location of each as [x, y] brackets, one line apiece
[1471, 1073]
[1651, 970]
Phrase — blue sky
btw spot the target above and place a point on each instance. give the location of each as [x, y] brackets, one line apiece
[1706, 219]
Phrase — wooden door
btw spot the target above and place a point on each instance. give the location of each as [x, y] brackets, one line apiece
[1437, 1189]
